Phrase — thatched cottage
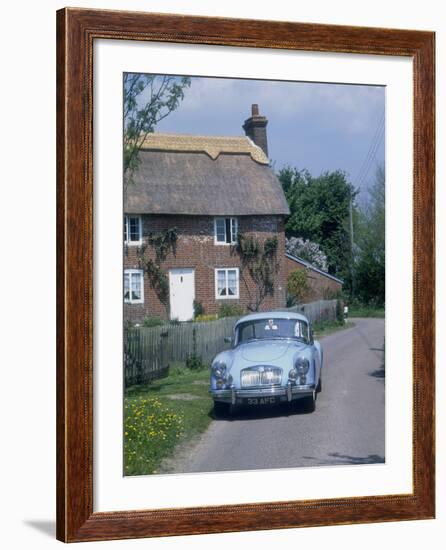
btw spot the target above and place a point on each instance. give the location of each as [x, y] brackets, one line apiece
[190, 198]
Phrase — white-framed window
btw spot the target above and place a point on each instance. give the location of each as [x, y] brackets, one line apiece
[225, 230]
[134, 286]
[132, 230]
[226, 283]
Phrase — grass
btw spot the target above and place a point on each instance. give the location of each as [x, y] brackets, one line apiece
[169, 411]
[323, 328]
[160, 416]
[366, 311]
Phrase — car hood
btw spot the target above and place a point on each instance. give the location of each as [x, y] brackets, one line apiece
[265, 351]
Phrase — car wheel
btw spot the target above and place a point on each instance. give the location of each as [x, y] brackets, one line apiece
[319, 386]
[309, 403]
[221, 410]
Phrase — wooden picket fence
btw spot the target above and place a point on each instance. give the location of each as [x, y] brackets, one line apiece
[148, 351]
[322, 310]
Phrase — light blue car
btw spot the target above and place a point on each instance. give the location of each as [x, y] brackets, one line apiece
[273, 359]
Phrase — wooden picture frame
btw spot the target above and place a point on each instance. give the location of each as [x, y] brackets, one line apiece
[76, 31]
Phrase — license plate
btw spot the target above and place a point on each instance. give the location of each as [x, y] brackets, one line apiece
[260, 400]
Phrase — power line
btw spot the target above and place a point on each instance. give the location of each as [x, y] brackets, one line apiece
[372, 148]
[373, 142]
[372, 151]
[372, 157]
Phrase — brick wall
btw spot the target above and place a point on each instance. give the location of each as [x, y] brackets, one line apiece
[196, 249]
[321, 287]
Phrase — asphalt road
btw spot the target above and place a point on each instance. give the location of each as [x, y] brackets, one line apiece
[347, 426]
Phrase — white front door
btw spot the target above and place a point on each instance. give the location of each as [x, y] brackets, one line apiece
[182, 293]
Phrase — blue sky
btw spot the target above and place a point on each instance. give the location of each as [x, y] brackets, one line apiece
[316, 126]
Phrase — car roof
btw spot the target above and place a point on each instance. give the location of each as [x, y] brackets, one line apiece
[272, 315]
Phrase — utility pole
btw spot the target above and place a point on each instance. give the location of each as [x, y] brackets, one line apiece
[352, 244]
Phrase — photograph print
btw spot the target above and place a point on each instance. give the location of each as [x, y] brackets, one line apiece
[253, 274]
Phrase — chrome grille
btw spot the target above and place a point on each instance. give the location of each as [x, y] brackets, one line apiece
[260, 376]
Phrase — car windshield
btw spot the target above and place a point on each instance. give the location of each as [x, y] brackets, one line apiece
[262, 329]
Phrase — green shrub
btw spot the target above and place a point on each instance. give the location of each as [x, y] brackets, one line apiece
[152, 322]
[194, 362]
[205, 318]
[198, 309]
[297, 285]
[230, 310]
[340, 311]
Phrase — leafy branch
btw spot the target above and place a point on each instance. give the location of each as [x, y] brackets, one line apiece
[148, 99]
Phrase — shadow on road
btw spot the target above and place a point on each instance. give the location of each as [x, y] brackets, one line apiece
[264, 411]
[338, 458]
[378, 373]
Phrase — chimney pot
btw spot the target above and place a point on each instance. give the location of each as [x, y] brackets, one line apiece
[255, 128]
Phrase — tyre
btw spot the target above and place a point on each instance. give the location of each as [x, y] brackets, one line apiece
[309, 404]
[319, 386]
[221, 410]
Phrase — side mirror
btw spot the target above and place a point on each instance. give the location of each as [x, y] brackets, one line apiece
[228, 340]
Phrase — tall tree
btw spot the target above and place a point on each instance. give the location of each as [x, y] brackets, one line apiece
[370, 238]
[320, 212]
[148, 99]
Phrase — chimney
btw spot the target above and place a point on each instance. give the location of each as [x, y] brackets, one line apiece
[255, 128]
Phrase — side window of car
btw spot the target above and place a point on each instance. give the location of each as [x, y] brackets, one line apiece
[248, 332]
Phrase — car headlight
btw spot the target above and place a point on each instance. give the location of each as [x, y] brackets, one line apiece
[302, 365]
[292, 375]
[219, 370]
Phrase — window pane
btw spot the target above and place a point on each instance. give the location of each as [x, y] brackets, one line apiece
[233, 230]
[232, 282]
[126, 287]
[134, 229]
[125, 229]
[136, 286]
[220, 230]
[221, 283]
[228, 229]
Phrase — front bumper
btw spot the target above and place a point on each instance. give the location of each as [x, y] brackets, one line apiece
[283, 394]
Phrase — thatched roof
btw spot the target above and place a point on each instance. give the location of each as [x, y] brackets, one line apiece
[199, 175]
[211, 145]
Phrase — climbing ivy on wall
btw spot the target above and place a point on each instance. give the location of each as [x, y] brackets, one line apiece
[259, 260]
[162, 243]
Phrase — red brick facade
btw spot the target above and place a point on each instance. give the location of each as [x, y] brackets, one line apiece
[196, 248]
[321, 286]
